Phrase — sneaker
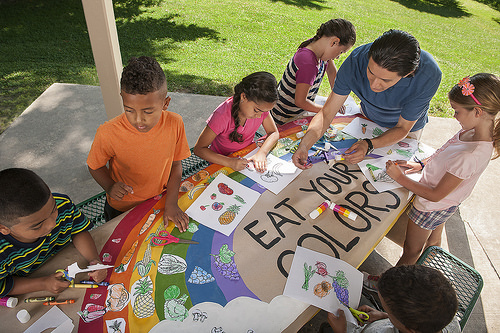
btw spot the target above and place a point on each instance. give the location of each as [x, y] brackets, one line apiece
[370, 282]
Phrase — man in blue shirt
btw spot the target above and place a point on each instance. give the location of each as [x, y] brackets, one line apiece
[395, 82]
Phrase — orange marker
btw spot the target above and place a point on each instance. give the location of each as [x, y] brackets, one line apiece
[68, 301]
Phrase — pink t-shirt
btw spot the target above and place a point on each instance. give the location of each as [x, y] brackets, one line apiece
[464, 159]
[221, 122]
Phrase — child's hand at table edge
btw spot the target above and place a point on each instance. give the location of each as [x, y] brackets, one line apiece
[176, 215]
[99, 275]
[409, 167]
[259, 161]
[299, 158]
[338, 324]
[393, 170]
[238, 163]
[118, 190]
[55, 283]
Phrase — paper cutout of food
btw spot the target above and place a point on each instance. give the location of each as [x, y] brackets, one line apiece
[118, 297]
[224, 189]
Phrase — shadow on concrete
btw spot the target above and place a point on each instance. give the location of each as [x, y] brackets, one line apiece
[305, 4]
[445, 8]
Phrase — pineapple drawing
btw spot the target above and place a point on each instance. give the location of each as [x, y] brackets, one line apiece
[229, 215]
[144, 305]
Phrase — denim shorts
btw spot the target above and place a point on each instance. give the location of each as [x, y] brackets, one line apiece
[430, 220]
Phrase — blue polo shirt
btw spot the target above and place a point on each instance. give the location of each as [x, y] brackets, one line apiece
[409, 98]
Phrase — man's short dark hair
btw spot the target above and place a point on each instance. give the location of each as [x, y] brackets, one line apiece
[397, 51]
[142, 76]
[22, 193]
[420, 297]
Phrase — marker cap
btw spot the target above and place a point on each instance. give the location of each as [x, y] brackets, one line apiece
[23, 316]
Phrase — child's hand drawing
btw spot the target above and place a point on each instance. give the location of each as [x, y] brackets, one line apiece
[238, 163]
[409, 167]
[259, 161]
[175, 214]
[118, 190]
[393, 170]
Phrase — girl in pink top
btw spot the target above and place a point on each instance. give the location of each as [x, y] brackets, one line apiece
[452, 171]
[233, 124]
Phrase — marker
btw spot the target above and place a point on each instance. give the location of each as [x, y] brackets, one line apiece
[101, 284]
[81, 285]
[321, 208]
[343, 211]
[68, 301]
[39, 299]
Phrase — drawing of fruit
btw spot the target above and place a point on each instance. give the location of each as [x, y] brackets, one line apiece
[403, 144]
[340, 284]
[144, 305]
[204, 207]
[321, 268]
[224, 262]
[217, 206]
[224, 189]
[213, 196]
[186, 186]
[229, 215]
[118, 297]
[363, 128]
[322, 289]
[174, 307]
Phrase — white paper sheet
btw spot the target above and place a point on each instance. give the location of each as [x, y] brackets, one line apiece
[322, 280]
[222, 208]
[279, 173]
[51, 319]
[363, 129]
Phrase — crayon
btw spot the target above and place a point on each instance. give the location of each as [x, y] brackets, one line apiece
[101, 284]
[81, 285]
[68, 301]
[321, 208]
[343, 211]
[39, 299]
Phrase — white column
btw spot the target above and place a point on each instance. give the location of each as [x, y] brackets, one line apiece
[101, 26]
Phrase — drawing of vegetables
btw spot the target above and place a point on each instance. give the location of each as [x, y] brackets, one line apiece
[240, 199]
[217, 206]
[174, 307]
[308, 273]
[322, 289]
[116, 327]
[224, 189]
[229, 215]
[126, 259]
[144, 305]
[144, 265]
[363, 128]
[171, 264]
[92, 312]
[149, 221]
[377, 131]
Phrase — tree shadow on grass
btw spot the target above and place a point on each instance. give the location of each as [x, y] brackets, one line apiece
[46, 41]
[495, 4]
[445, 8]
[305, 4]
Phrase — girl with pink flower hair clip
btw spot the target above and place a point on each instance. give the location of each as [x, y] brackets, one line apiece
[451, 173]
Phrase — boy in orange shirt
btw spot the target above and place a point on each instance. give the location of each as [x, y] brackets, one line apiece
[144, 146]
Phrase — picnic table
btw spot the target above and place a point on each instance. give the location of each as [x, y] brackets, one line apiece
[262, 245]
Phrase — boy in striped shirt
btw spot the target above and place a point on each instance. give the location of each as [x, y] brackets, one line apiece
[35, 224]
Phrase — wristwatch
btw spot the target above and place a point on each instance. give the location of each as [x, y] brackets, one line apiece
[370, 146]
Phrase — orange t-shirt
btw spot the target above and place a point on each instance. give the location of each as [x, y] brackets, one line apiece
[141, 160]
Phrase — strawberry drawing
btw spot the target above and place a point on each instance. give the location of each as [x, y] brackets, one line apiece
[213, 196]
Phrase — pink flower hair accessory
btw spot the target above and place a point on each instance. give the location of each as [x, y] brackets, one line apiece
[468, 88]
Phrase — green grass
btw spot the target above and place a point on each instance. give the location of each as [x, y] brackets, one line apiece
[207, 46]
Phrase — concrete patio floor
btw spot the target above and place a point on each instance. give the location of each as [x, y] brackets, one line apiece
[54, 134]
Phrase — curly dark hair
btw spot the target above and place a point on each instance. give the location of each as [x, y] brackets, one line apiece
[142, 76]
[258, 87]
[22, 193]
[420, 297]
[397, 51]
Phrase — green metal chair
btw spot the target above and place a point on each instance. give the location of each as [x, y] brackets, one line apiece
[465, 279]
[93, 207]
